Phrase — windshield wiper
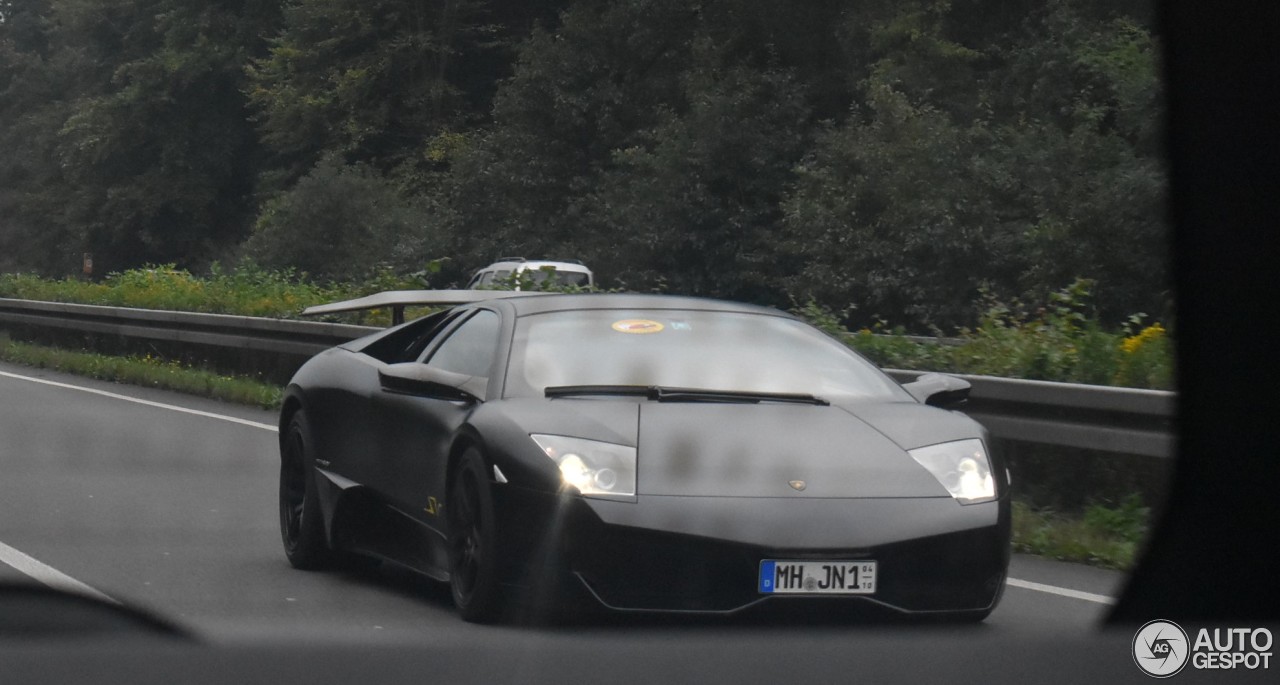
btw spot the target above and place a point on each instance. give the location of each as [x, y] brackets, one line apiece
[668, 394]
[665, 394]
[581, 390]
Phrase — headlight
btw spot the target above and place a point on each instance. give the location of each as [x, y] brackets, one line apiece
[596, 469]
[962, 467]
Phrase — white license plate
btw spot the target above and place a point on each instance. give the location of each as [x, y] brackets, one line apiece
[818, 577]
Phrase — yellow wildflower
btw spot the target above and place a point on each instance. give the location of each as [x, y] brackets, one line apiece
[1149, 334]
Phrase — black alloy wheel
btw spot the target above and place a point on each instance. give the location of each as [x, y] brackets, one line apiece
[473, 549]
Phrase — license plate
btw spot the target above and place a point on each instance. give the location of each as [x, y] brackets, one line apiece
[817, 577]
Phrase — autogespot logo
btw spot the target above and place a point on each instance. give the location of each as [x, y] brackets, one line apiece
[1160, 648]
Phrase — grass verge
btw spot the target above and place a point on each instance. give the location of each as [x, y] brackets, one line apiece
[1105, 536]
[146, 371]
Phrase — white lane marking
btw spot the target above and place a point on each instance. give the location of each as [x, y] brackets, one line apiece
[1060, 591]
[149, 403]
[1024, 584]
[48, 575]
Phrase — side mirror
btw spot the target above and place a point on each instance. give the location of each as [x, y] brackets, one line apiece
[939, 390]
[413, 378]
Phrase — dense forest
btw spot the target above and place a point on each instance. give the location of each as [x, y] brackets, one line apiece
[898, 160]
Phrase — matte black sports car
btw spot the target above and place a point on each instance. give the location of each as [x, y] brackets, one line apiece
[640, 452]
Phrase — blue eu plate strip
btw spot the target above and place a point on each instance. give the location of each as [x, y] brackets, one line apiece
[766, 576]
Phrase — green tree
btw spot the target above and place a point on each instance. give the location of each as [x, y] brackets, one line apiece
[160, 159]
[612, 116]
[339, 223]
[373, 81]
[889, 215]
[898, 155]
[131, 130]
[1017, 162]
[694, 203]
[578, 93]
[31, 234]
[1081, 152]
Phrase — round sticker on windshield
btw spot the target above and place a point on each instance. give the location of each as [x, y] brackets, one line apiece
[637, 326]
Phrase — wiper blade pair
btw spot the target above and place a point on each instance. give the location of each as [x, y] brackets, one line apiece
[661, 393]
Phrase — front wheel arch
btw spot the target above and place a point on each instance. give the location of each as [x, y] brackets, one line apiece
[290, 406]
[464, 441]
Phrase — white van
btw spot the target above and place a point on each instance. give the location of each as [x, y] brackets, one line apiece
[564, 273]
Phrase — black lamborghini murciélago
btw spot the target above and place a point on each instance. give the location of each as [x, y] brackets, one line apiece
[641, 452]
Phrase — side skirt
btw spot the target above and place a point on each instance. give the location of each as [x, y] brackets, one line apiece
[363, 523]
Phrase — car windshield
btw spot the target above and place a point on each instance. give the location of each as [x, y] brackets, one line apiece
[710, 350]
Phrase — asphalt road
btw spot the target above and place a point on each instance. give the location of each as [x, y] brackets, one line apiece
[175, 512]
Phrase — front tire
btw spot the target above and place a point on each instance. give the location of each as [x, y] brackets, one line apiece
[473, 548]
[301, 523]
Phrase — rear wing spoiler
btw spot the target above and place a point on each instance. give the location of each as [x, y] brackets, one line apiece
[397, 300]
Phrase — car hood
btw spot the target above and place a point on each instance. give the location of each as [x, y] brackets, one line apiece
[758, 450]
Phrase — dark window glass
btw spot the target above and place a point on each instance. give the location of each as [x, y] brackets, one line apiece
[407, 344]
[572, 278]
[469, 349]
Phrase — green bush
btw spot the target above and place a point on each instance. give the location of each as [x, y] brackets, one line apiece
[1059, 341]
[1106, 535]
[247, 290]
[895, 351]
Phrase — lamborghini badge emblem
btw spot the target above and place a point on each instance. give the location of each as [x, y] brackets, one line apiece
[796, 484]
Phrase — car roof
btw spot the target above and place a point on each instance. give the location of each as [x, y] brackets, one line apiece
[556, 302]
[536, 264]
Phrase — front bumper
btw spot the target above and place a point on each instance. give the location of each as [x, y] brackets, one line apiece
[703, 554]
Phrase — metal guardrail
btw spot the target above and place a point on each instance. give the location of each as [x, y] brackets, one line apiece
[298, 338]
[923, 339]
[1094, 417]
[1120, 420]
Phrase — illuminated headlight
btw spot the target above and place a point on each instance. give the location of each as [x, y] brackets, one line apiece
[962, 467]
[596, 469]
